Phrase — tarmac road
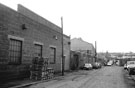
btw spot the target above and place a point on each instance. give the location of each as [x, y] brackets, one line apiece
[106, 77]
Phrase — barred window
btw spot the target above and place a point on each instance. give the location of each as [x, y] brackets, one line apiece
[15, 51]
[38, 50]
[52, 55]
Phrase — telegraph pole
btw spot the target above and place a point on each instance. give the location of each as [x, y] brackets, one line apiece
[95, 51]
[62, 48]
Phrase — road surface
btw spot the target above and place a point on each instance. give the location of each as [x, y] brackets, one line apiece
[106, 77]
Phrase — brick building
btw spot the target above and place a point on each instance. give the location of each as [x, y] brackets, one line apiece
[67, 47]
[24, 35]
[82, 52]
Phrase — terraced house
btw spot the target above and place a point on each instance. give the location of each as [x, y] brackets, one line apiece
[24, 35]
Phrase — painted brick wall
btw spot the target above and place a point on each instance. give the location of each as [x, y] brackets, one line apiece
[10, 24]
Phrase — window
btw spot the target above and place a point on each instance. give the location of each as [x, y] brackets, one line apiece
[52, 55]
[15, 51]
[38, 50]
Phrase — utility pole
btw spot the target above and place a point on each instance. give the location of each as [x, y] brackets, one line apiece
[95, 51]
[62, 48]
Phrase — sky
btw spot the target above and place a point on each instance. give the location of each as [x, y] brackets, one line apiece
[111, 23]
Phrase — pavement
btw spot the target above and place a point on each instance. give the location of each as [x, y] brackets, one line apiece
[27, 82]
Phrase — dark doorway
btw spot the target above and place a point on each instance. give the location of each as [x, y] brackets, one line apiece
[75, 63]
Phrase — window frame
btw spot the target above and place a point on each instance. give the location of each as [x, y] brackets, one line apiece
[20, 52]
[54, 58]
[35, 44]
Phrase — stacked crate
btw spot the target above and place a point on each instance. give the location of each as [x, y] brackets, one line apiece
[44, 69]
[39, 69]
[50, 73]
[36, 68]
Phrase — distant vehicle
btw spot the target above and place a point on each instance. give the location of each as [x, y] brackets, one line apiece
[110, 63]
[87, 66]
[131, 67]
[97, 65]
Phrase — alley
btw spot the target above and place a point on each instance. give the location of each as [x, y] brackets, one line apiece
[107, 77]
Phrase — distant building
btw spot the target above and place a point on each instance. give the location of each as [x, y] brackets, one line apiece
[86, 50]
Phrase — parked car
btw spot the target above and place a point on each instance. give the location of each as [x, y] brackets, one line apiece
[131, 67]
[97, 65]
[110, 63]
[86, 66]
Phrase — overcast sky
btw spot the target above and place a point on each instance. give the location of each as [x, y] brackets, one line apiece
[109, 22]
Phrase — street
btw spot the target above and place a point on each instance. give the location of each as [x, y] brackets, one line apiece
[106, 77]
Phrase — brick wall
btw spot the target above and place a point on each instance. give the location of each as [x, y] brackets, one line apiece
[23, 10]
[11, 24]
[67, 52]
[3, 37]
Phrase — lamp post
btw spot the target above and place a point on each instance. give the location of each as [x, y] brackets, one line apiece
[62, 48]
